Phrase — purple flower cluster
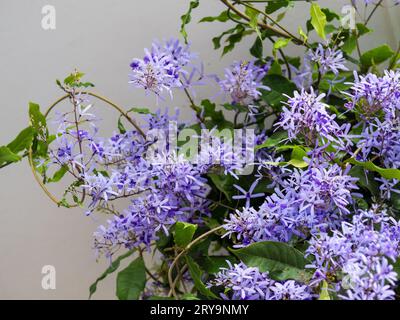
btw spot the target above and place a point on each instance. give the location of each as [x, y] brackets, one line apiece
[381, 139]
[356, 260]
[168, 189]
[313, 199]
[243, 82]
[328, 59]
[306, 116]
[247, 283]
[164, 67]
[371, 94]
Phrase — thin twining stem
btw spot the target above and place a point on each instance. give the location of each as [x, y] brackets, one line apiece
[373, 11]
[291, 35]
[52, 106]
[261, 24]
[185, 250]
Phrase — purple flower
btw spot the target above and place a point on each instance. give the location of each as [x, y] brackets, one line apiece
[355, 259]
[371, 93]
[247, 195]
[162, 67]
[328, 59]
[306, 116]
[382, 140]
[243, 82]
[313, 199]
[248, 283]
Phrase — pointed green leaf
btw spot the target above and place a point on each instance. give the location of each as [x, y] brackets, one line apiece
[385, 173]
[281, 260]
[22, 141]
[114, 266]
[318, 20]
[184, 233]
[6, 155]
[324, 294]
[196, 273]
[132, 280]
[376, 56]
[187, 17]
[253, 23]
[59, 174]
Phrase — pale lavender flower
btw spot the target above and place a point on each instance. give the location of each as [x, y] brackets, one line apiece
[313, 199]
[371, 93]
[248, 195]
[328, 59]
[162, 67]
[248, 283]
[243, 82]
[355, 259]
[306, 116]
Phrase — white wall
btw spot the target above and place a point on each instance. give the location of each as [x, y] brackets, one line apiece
[99, 37]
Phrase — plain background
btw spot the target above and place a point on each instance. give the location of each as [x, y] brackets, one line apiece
[99, 37]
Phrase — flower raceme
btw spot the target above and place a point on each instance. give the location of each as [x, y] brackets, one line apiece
[243, 82]
[308, 200]
[248, 283]
[305, 115]
[164, 67]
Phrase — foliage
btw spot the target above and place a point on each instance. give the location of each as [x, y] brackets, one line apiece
[313, 215]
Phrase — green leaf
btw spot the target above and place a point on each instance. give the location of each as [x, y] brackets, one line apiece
[280, 259]
[224, 183]
[59, 174]
[114, 266]
[6, 155]
[302, 34]
[132, 280]
[293, 162]
[235, 38]
[376, 56]
[279, 44]
[253, 23]
[22, 141]
[324, 294]
[275, 139]
[350, 44]
[273, 6]
[222, 17]
[365, 179]
[217, 40]
[213, 264]
[330, 15]
[37, 119]
[186, 18]
[362, 29]
[280, 87]
[318, 20]
[120, 125]
[275, 69]
[298, 153]
[256, 49]
[73, 79]
[196, 273]
[141, 111]
[217, 117]
[184, 233]
[385, 173]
